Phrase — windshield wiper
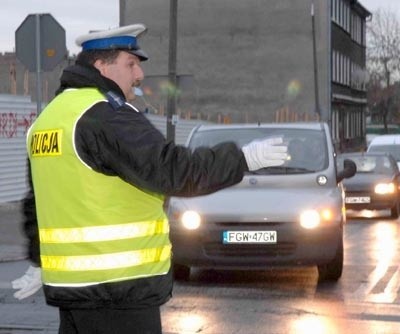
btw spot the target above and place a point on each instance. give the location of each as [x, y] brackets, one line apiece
[282, 170]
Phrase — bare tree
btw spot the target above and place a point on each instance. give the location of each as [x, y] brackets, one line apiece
[383, 62]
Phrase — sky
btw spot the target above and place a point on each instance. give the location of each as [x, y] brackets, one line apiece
[373, 5]
[90, 15]
[75, 19]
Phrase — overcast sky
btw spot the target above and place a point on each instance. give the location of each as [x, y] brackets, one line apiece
[75, 19]
[90, 15]
[373, 5]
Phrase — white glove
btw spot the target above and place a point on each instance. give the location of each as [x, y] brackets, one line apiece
[28, 284]
[265, 153]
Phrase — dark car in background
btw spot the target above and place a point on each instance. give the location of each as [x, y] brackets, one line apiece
[375, 186]
[285, 215]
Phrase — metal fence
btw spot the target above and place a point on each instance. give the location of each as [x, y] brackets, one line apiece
[182, 129]
[16, 115]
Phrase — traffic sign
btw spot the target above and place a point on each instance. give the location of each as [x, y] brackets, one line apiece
[40, 42]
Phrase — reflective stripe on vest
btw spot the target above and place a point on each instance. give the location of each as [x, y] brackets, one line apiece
[103, 233]
[105, 261]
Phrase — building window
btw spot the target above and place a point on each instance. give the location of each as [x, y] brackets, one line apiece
[346, 15]
[333, 10]
[333, 66]
[341, 65]
[364, 33]
[338, 11]
[342, 69]
[341, 12]
[358, 77]
[335, 125]
[358, 29]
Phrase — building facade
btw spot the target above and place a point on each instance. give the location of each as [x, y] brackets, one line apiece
[261, 61]
[15, 79]
[245, 61]
[348, 72]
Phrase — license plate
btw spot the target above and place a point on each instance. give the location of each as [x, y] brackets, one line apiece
[355, 200]
[249, 237]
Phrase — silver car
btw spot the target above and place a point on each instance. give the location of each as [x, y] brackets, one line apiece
[276, 216]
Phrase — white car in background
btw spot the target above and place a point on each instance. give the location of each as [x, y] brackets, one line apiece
[386, 144]
[277, 216]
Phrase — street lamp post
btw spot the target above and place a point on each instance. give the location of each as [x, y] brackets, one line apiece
[315, 63]
[172, 87]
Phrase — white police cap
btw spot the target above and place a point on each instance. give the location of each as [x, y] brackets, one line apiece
[122, 38]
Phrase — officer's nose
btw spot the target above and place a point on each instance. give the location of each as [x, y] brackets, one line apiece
[138, 73]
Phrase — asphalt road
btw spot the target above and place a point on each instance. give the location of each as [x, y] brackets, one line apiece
[278, 301]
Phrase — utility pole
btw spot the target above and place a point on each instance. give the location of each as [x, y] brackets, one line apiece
[172, 87]
[315, 64]
[38, 64]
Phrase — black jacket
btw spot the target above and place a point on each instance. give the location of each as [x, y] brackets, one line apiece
[116, 140]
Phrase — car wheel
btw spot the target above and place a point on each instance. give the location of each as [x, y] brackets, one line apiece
[332, 271]
[181, 272]
[394, 212]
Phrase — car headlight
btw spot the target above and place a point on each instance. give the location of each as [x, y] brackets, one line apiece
[385, 188]
[191, 220]
[326, 214]
[310, 219]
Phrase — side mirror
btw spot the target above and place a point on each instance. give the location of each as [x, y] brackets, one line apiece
[349, 169]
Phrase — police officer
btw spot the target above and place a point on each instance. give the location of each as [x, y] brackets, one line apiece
[100, 172]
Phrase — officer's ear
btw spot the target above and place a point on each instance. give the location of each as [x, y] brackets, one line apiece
[101, 65]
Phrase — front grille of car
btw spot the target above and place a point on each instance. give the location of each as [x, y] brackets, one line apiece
[248, 224]
[371, 194]
[361, 192]
[246, 250]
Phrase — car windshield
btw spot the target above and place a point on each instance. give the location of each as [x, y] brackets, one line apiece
[394, 150]
[307, 148]
[370, 164]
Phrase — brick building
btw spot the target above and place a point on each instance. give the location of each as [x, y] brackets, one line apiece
[15, 79]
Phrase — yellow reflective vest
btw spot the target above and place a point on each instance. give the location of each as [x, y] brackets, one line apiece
[93, 228]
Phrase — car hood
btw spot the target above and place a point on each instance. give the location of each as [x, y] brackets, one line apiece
[270, 201]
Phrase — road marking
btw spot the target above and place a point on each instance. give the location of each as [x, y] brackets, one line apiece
[365, 288]
[389, 295]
